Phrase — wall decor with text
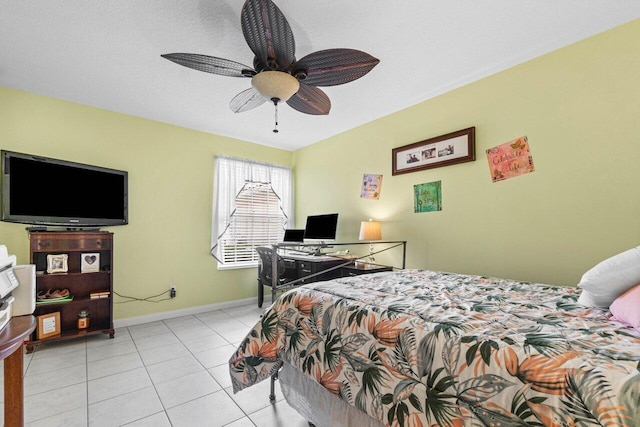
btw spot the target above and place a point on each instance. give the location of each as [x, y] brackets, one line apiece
[427, 197]
[371, 186]
[510, 159]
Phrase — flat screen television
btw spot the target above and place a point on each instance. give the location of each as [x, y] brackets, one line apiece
[321, 227]
[44, 191]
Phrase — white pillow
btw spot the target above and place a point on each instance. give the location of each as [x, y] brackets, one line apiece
[610, 278]
[587, 299]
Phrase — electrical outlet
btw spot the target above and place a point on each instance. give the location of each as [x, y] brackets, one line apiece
[172, 291]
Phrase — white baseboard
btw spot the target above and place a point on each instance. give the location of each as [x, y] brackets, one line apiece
[130, 321]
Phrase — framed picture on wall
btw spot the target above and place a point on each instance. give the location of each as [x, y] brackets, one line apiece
[371, 186]
[428, 197]
[450, 149]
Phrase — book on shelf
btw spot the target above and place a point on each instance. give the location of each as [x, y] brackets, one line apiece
[96, 295]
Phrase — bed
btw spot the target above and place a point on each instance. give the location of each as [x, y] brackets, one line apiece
[424, 348]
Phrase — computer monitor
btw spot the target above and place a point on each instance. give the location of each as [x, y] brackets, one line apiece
[293, 235]
[321, 228]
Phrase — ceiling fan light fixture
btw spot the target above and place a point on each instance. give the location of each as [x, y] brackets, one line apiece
[275, 84]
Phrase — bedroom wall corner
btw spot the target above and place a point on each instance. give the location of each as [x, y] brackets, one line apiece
[577, 106]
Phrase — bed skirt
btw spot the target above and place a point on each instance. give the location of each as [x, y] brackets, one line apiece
[318, 405]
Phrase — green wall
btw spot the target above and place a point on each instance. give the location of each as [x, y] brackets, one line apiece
[579, 107]
[170, 170]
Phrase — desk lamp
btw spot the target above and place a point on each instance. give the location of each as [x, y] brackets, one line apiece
[370, 230]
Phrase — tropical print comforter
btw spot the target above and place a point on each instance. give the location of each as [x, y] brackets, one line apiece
[425, 348]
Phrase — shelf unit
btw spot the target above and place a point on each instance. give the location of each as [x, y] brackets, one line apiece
[80, 284]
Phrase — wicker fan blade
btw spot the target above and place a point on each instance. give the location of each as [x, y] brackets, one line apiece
[246, 100]
[310, 100]
[333, 67]
[211, 64]
[268, 34]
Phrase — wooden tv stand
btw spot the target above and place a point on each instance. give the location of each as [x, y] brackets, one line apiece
[81, 285]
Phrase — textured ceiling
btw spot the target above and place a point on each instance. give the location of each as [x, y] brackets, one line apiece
[107, 54]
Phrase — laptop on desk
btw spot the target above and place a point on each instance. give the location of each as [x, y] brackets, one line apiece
[291, 240]
[292, 235]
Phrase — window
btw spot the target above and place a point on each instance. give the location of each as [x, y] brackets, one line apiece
[253, 204]
[256, 221]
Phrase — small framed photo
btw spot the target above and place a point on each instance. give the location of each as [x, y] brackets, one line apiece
[48, 325]
[57, 263]
[89, 262]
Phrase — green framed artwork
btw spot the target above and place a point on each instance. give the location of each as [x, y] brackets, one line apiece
[427, 197]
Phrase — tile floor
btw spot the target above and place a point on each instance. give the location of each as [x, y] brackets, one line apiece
[166, 373]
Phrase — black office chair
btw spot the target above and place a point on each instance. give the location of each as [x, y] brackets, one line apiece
[265, 277]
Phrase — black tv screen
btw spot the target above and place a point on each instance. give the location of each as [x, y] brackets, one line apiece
[44, 191]
[321, 227]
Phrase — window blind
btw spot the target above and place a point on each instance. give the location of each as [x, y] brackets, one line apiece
[252, 205]
[257, 220]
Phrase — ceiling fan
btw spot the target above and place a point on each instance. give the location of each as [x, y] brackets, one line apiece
[276, 74]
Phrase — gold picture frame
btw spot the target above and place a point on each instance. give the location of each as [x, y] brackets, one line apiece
[57, 263]
[48, 325]
[450, 149]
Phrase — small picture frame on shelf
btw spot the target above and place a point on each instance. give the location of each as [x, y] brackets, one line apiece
[57, 263]
[89, 262]
[48, 325]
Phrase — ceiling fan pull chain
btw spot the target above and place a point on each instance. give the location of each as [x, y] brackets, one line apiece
[275, 102]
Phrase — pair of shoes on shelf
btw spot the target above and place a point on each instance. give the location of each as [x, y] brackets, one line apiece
[53, 294]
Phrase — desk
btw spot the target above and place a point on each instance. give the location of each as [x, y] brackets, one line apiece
[295, 269]
[308, 268]
[301, 268]
[12, 337]
[299, 265]
[359, 268]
